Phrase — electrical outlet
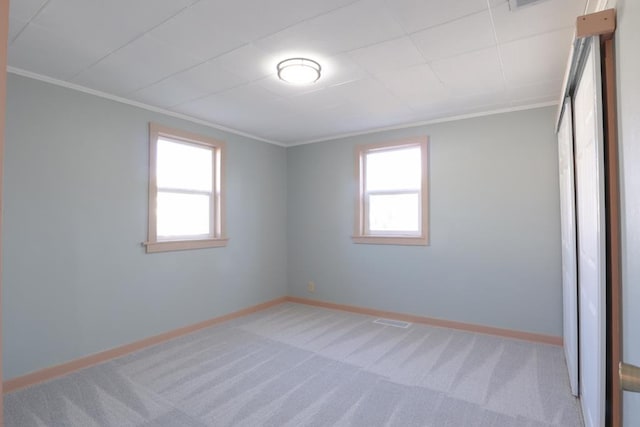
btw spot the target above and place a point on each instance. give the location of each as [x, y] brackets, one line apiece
[311, 286]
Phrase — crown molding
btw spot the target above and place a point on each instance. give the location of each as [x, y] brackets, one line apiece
[79, 88]
[430, 122]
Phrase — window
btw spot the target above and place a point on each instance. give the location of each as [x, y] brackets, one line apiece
[186, 191]
[392, 193]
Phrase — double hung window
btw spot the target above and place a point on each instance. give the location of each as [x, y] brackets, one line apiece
[186, 191]
[391, 206]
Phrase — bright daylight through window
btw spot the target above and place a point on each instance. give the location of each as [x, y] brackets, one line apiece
[392, 197]
[185, 191]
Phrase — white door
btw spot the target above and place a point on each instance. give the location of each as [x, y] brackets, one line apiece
[568, 228]
[589, 164]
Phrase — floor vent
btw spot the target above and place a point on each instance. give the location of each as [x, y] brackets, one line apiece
[391, 322]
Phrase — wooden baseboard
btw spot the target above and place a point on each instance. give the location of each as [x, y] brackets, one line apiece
[507, 333]
[104, 356]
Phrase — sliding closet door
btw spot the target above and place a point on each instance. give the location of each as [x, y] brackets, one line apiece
[568, 228]
[589, 164]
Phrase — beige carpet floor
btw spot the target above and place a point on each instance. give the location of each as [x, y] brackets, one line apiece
[296, 365]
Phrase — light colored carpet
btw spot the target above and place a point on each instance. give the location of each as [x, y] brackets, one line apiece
[295, 365]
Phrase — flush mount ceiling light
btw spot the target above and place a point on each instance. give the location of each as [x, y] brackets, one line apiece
[299, 71]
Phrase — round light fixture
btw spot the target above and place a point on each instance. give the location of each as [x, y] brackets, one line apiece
[299, 71]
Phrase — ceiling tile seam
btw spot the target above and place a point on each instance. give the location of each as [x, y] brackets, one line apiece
[427, 63]
[213, 58]
[495, 37]
[258, 80]
[466, 52]
[399, 99]
[428, 122]
[407, 34]
[413, 33]
[392, 39]
[229, 89]
[40, 9]
[139, 36]
[249, 43]
[410, 33]
[309, 19]
[208, 94]
[424, 59]
[126, 101]
[518, 39]
[286, 27]
[252, 41]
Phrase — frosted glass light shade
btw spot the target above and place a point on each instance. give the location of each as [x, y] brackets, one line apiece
[299, 70]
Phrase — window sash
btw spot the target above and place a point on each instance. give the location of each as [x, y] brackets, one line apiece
[213, 195]
[215, 237]
[212, 151]
[211, 215]
[367, 213]
[362, 231]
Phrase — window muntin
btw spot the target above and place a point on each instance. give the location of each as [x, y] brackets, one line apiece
[392, 198]
[185, 191]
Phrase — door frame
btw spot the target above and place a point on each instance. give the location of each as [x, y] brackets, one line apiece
[4, 35]
[603, 25]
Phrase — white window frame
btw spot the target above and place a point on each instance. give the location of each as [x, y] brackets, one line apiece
[362, 233]
[217, 237]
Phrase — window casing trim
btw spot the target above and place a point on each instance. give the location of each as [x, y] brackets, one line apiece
[362, 234]
[217, 237]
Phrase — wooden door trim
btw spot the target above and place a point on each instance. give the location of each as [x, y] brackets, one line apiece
[4, 35]
[612, 223]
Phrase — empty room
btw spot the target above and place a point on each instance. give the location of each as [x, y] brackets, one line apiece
[320, 213]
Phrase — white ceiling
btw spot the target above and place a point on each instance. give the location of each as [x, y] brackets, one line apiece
[385, 63]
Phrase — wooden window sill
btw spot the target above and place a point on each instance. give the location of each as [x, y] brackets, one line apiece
[182, 245]
[391, 240]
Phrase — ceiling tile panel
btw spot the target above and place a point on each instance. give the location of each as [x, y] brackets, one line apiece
[416, 15]
[25, 10]
[471, 73]
[536, 59]
[42, 51]
[387, 56]
[195, 30]
[212, 27]
[367, 95]
[199, 81]
[360, 24]
[317, 101]
[15, 26]
[106, 25]
[416, 86]
[548, 15]
[134, 67]
[247, 61]
[385, 62]
[464, 35]
[286, 90]
[232, 106]
[539, 92]
[340, 69]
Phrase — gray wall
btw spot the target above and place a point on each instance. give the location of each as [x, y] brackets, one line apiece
[628, 65]
[76, 279]
[494, 254]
